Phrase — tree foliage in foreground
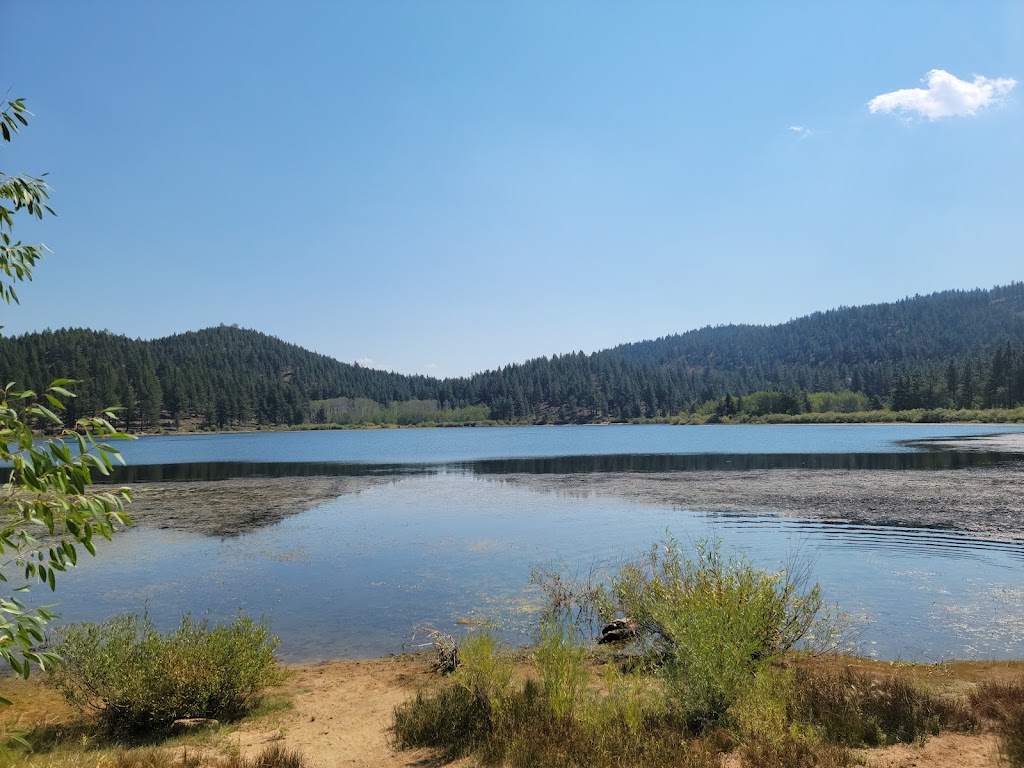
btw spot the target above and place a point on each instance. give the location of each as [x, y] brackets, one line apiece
[48, 505]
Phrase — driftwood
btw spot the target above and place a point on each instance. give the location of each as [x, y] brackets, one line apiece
[619, 631]
[445, 647]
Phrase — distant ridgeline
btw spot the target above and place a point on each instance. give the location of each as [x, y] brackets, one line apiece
[955, 349]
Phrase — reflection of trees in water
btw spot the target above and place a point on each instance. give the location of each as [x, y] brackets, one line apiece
[565, 465]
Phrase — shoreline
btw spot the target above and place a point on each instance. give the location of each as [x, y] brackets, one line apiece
[778, 420]
[339, 713]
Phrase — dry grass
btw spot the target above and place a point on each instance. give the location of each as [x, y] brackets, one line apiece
[1003, 704]
[857, 708]
[302, 707]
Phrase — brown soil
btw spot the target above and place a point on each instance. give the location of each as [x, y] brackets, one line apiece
[341, 712]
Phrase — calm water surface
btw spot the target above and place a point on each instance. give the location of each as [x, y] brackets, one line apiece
[352, 576]
[444, 446]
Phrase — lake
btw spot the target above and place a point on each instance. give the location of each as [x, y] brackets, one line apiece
[444, 534]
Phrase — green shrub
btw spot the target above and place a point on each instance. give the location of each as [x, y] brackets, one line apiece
[133, 678]
[484, 672]
[561, 660]
[712, 621]
[858, 710]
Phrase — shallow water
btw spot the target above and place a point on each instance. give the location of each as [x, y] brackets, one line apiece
[352, 576]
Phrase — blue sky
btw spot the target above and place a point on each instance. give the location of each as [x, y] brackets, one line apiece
[445, 187]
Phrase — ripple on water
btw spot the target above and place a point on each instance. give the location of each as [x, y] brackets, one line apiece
[352, 576]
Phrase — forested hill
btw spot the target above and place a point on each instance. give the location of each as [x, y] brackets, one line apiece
[866, 348]
[923, 328]
[224, 375]
[953, 349]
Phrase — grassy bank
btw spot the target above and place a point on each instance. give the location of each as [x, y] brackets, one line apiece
[714, 663]
[718, 663]
[341, 714]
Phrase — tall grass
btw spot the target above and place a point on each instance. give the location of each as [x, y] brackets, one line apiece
[1003, 703]
[859, 710]
[561, 660]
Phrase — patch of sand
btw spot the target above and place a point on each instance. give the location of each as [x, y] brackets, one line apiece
[947, 750]
[342, 713]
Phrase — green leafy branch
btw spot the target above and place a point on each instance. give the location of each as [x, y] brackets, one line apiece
[48, 507]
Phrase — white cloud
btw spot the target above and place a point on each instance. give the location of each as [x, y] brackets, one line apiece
[366, 362]
[432, 366]
[801, 130]
[945, 96]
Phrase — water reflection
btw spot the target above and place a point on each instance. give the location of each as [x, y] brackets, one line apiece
[225, 470]
[352, 576]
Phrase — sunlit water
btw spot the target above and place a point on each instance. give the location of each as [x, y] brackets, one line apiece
[351, 577]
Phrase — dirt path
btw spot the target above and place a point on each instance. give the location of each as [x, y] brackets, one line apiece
[342, 712]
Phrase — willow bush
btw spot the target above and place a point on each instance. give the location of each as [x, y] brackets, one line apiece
[133, 678]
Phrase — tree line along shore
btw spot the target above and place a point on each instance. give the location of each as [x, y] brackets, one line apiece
[955, 355]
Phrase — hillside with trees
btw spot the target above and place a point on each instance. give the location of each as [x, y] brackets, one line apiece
[955, 349]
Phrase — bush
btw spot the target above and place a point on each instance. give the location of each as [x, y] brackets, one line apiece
[858, 710]
[712, 622]
[133, 678]
[561, 660]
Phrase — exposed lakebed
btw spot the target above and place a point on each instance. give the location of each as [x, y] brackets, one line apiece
[348, 539]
